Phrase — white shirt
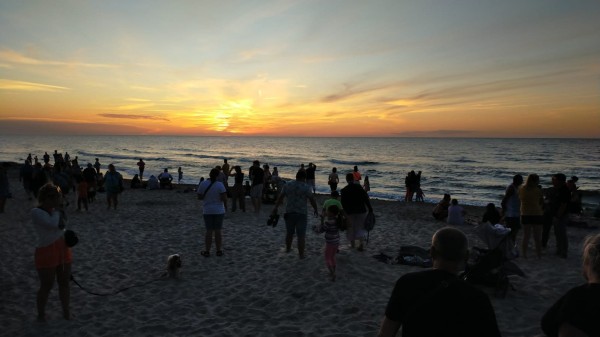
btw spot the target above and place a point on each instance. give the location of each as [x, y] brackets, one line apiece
[46, 226]
[212, 199]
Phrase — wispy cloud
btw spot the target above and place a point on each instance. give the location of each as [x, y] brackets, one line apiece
[14, 57]
[129, 116]
[29, 86]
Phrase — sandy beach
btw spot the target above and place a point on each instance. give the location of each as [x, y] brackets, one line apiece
[255, 289]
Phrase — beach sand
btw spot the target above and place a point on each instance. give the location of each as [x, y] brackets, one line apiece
[255, 289]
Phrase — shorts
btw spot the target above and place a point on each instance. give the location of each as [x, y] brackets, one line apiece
[256, 191]
[532, 219]
[53, 255]
[213, 221]
[295, 223]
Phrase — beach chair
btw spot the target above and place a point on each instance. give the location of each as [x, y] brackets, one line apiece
[493, 265]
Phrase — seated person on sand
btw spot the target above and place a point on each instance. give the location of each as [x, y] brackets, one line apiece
[491, 215]
[153, 183]
[436, 302]
[577, 312]
[165, 179]
[136, 182]
[440, 211]
[456, 214]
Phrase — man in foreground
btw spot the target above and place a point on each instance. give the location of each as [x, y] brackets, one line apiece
[436, 302]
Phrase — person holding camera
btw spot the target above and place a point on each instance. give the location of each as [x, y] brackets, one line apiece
[52, 256]
[296, 219]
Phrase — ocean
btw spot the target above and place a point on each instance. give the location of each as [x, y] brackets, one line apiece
[473, 170]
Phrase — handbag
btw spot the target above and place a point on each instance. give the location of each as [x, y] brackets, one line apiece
[71, 238]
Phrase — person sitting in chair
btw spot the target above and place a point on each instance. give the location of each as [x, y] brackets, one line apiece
[165, 179]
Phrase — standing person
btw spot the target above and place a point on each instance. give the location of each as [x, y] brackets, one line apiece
[141, 166]
[180, 175]
[89, 175]
[511, 207]
[237, 191]
[532, 213]
[4, 186]
[213, 211]
[82, 193]
[257, 175]
[97, 166]
[296, 218]
[409, 183]
[356, 175]
[26, 176]
[331, 227]
[113, 182]
[577, 312]
[367, 184]
[333, 179]
[226, 170]
[52, 256]
[310, 176]
[436, 302]
[46, 158]
[560, 205]
[355, 202]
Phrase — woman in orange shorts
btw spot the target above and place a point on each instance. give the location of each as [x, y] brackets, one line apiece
[52, 256]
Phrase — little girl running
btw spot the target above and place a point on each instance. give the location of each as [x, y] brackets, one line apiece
[331, 227]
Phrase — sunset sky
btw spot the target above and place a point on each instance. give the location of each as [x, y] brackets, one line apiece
[509, 68]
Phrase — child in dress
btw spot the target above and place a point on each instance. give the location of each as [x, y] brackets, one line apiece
[330, 225]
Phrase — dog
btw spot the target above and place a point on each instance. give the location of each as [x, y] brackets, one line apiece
[174, 266]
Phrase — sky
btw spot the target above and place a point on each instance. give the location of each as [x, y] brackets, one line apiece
[420, 68]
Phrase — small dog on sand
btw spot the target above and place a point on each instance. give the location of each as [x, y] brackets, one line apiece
[173, 265]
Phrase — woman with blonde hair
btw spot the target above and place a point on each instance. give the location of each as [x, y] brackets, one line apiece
[577, 312]
[532, 213]
[52, 256]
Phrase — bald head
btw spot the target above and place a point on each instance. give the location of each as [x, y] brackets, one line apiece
[449, 244]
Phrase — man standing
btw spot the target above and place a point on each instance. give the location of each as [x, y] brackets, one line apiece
[141, 165]
[436, 302]
[511, 207]
[296, 218]
[97, 166]
[257, 175]
[113, 183]
[310, 176]
[355, 201]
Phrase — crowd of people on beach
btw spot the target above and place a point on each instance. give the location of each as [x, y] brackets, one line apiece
[437, 294]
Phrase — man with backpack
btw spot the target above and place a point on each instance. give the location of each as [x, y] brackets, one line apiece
[436, 302]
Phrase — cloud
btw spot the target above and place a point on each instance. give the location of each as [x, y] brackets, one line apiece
[62, 127]
[12, 56]
[29, 86]
[129, 116]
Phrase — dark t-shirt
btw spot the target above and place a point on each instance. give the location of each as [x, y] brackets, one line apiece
[310, 173]
[355, 199]
[258, 176]
[579, 307]
[436, 303]
[562, 196]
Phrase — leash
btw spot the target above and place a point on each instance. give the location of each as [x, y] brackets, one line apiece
[119, 290]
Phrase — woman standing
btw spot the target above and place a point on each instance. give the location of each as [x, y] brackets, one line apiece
[333, 180]
[52, 256]
[237, 191]
[532, 213]
[213, 210]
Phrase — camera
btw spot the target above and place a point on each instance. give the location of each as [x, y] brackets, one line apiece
[273, 219]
